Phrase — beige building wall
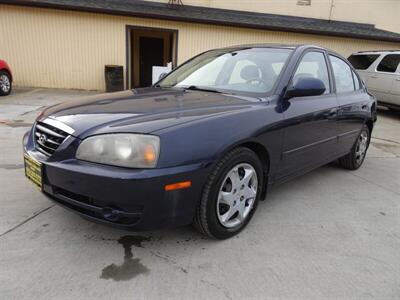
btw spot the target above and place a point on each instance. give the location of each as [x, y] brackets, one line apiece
[64, 49]
[383, 13]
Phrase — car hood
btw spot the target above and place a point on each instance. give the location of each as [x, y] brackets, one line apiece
[142, 110]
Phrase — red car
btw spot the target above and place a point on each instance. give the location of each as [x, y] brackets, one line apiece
[5, 79]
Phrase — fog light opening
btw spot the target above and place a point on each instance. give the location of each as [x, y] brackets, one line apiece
[111, 214]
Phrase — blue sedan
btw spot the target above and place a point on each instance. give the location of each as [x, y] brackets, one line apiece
[205, 143]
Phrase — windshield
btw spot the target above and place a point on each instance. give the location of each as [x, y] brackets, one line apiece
[237, 71]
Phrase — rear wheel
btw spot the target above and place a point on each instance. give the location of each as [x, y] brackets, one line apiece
[231, 195]
[355, 158]
[5, 83]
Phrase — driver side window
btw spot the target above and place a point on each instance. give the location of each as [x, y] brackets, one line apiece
[313, 64]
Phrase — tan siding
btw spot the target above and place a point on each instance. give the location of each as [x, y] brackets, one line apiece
[60, 49]
[383, 13]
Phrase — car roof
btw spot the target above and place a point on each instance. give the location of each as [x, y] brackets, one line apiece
[283, 46]
[272, 45]
[377, 52]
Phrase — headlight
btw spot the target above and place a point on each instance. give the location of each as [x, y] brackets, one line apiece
[121, 149]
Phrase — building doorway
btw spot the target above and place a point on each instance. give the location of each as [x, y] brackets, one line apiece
[148, 47]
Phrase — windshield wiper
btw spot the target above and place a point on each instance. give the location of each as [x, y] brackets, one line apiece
[198, 88]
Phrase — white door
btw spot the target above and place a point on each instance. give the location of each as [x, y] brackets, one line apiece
[380, 82]
[364, 63]
[395, 90]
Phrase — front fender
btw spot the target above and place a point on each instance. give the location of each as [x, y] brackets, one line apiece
[209, 139]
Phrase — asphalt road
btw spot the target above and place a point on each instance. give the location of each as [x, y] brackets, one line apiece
[329, 234]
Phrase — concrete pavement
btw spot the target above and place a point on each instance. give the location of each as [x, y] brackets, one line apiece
[328, 234]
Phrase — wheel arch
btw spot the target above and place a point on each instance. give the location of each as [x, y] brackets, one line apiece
[370, 125]
[262, 153]
[8, 72]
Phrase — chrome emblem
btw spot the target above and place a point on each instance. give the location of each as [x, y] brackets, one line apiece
[42, 138]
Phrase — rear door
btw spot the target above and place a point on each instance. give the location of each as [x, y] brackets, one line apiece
[353, 103]
[364, 64]
[380, 82]
[394, 97]
[310, 135]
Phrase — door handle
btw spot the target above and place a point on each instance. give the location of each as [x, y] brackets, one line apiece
[374, 76]
[397, 79]
[330, 113]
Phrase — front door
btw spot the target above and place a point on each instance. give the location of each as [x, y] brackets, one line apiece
[310, 135]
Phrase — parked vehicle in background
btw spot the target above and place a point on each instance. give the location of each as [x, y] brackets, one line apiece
[380, 71]
[5, 79]
[203, 144]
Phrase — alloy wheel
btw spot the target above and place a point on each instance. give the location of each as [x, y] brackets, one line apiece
[237, 195]
[5, 83]
[361, 147]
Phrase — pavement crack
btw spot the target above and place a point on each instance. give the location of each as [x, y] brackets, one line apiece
[225, 292]
[11, 166]
[386, 140]
[376, 184]
[27, 220]
[168, 259]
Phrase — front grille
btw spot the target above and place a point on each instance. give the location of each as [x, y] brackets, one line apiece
[48, 138]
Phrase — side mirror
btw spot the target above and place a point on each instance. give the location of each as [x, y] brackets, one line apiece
[162, 75]
[304, 87]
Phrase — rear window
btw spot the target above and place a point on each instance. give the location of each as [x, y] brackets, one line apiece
[343, 75]
[389, 63]
[357, 85]
[362, 61]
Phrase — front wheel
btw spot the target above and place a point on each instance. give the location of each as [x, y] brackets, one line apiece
[355, 158]
[5, 83]
[231, 195]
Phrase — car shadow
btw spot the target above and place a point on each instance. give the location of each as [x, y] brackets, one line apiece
[392, 114]
[171, 246]
[188, 234]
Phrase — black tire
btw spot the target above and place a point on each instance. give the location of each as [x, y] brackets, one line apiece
[351, 160]
[8, 91]
[206, 219]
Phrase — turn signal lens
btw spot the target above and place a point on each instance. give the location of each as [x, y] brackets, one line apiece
[149, 154]
[178, 186]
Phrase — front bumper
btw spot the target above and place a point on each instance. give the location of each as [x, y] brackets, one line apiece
[126, 198]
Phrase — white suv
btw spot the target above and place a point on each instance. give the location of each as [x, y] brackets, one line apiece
[380, 70]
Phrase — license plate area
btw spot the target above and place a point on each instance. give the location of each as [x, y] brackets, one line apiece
[33, 170]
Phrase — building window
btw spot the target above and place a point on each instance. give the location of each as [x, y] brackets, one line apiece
[304, 2]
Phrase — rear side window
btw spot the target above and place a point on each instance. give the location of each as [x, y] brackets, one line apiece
[389, 63]
[313, 64]
[343, 75]
[362, 61]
